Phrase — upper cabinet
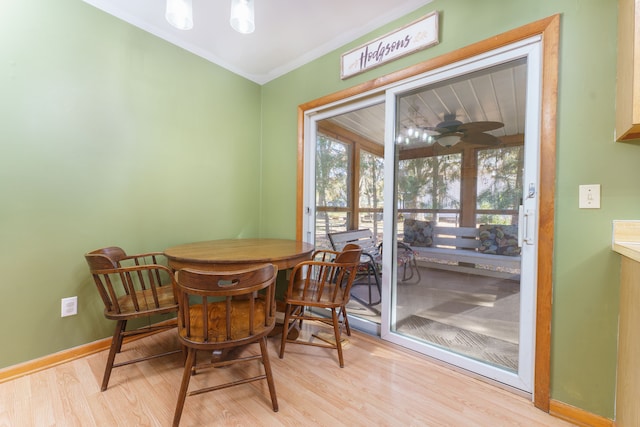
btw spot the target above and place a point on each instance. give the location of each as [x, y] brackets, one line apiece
[628, 82]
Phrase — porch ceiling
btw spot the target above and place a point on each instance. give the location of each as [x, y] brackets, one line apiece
[497, 95]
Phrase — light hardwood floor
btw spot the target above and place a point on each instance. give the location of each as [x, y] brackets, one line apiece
[381, 384]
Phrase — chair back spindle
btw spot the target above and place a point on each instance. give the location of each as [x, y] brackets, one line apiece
[221, 310]
[205, 297]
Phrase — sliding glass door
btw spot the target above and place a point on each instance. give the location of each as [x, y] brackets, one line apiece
[443, 170]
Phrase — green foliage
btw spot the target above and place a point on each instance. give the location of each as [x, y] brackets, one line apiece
[430, 182]
[500, 178]
[371, 180]
[332, 172]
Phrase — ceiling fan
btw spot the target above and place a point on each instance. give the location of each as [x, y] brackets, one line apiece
[451, 131]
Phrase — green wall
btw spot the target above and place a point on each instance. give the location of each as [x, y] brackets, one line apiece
[586, 272]
[108, 136]
[111, 136]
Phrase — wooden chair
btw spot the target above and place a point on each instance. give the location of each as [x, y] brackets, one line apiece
[131, 287]
[223, 310]
[323, 282]
[406, 258]
[372, 257]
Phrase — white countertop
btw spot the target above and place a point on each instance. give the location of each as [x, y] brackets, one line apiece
[626, 239]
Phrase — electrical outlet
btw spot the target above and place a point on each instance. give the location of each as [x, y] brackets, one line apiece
[589, 196]
[69, 306]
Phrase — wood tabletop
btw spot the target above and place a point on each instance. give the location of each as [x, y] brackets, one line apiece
[238, 253]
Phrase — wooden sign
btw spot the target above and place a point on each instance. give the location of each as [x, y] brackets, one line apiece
[418, 35]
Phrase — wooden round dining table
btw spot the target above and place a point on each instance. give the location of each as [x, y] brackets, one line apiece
[231, 254]
[217, 255]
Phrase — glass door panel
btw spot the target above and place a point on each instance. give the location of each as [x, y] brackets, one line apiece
[457, 169]
[333, 188]
[349, 160]
[370, 190]
[466, 302]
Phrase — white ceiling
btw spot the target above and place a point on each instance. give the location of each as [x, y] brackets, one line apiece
[289, 33]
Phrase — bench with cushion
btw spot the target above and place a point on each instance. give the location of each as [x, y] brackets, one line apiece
[490, 249]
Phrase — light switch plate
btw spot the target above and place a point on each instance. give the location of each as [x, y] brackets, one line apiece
[589, 196]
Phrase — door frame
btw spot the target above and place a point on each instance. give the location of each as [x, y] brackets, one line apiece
[549, 30]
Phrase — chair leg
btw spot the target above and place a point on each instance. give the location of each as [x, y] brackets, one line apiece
[116, 345]
[182, 394]
[404, 271]
[377, 280]
[268, 373]
[345, 319]
[336, 332]
[185, 352]
[370, 269]
[415, 265]
[300, 311]
[285, 329]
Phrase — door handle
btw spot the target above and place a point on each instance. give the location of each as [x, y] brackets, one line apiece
[525, 219]
[520, 226]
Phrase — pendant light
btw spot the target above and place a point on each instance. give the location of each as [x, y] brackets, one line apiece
[242, 16]
[180, 14]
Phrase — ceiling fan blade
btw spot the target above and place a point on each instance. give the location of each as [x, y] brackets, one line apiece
[480, 139]
[474, 127]
[440, 129]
